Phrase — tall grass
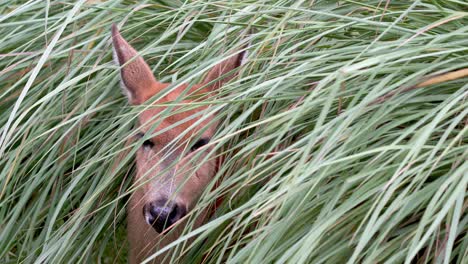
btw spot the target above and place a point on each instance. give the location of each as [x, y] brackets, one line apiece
[333, 153]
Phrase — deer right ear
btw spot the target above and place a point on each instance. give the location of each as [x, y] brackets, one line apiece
[225, 70]
[137, 79]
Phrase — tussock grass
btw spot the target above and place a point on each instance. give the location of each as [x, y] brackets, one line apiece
[335, 149]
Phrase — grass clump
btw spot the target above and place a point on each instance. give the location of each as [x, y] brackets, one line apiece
[344, 137]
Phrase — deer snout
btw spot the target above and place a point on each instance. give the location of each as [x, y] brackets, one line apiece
[162, 214]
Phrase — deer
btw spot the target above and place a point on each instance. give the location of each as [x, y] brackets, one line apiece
[166, 195]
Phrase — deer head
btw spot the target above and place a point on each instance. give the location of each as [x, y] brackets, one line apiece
[170, 187]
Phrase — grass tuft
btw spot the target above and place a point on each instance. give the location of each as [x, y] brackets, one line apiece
[344, 137]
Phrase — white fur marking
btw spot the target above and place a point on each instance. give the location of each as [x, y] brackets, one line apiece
[244, 57]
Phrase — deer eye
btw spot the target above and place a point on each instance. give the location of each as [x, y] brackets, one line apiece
[147, 143]
[200, 143]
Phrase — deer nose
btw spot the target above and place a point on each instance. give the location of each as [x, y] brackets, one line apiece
[162, 214]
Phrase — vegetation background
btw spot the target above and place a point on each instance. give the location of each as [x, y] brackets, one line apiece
[333, 152]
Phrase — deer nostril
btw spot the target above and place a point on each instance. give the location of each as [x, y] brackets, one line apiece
[162, 214]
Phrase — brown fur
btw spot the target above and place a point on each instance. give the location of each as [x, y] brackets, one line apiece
[155, 174]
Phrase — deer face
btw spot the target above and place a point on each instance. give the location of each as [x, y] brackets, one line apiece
[170, 181]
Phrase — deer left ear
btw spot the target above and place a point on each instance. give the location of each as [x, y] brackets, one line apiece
[138, 81]
[225, 70]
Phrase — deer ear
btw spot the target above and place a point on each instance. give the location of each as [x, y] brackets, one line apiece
[137, 79]
[225, 70]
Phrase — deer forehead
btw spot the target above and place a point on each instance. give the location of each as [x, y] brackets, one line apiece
[178, 125]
